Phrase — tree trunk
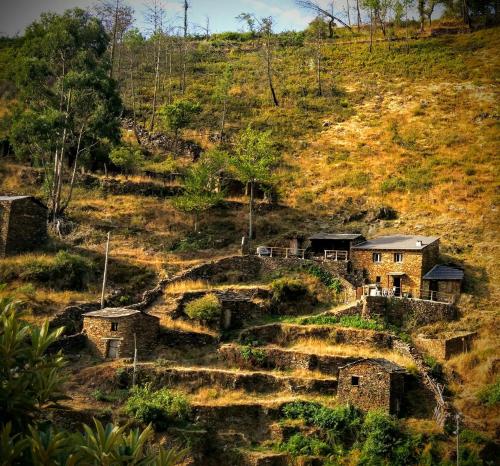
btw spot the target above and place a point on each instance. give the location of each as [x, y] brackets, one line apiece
[184, 47]
[250, 212]
[196, 222]
[330, 29]
[113, 41]
[318, 64]
[223, 120]
[348, 13]
[157, 80]
[269, 71]
[371, 30]
[359, 15]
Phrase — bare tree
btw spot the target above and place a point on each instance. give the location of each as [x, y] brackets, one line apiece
[316, 8]
[358, 14]
[184, 46]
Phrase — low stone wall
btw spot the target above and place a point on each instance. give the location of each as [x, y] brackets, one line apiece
[407, 313]
[192, 379]
[278, 358]
[179, 338]
[445, 347]
[118, 187]
[284, 334]
[68, 344]
[71, 317]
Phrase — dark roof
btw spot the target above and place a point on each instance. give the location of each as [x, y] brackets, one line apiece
[388, 366]
[115, 313]
[17, 198]
[339, 236]
[444, 272]
[401, 242]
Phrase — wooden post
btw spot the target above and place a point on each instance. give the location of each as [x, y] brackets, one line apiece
[135, 361]
[105, 276]
[457, 419]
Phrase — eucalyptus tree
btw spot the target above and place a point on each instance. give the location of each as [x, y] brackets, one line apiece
[253, 161]
[67, 104]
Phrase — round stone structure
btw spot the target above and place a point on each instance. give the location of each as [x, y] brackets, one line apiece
[111, 332]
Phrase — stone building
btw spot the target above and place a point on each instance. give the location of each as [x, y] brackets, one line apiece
[396, 263]
[443, 281]
[110, 332]
[23, 224]
[372, 384]
[334, 246]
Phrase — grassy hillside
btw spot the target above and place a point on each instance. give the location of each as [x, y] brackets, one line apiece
[416, 131]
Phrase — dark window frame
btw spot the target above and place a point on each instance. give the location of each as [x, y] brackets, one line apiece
[355, 380]
[377, 257]
[114, 326]
[398, 255]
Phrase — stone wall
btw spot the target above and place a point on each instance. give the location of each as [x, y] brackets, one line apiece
[453, 288]
[282, 359]
[69, 344]
[23, 225]
[192, 379]
[284, 334]
[71, 317]
[98, 331]
[175, 338]
[447, 346]
[407, 313]
[374, 388]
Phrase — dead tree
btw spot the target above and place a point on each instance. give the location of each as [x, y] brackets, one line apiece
[316, 8]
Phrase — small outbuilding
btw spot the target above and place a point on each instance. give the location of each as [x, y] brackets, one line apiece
[23, 224]
[110, 332]
[372, 384]
[443, 281]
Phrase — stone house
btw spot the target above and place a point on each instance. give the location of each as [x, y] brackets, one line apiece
[23, 224]
[372, 384]
[110, 332]
[396, 263]
[443, 280]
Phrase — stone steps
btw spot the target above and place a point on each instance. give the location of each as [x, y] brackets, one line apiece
[194, 378]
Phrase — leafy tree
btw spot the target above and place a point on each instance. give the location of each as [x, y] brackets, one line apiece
[30, 379]
[179, 115]
[253, 162]
[128, 158]
[67, 102]
[201, 186]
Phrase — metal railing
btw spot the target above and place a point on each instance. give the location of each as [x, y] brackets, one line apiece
[267, 251]
[334, 255]
[395, 292]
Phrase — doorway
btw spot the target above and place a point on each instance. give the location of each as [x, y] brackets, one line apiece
[433, 288]
[113, 349]
[396, 283]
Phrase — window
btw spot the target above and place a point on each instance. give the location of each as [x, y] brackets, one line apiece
[114, 326]
[355, 380]
[378, 279]
[377, 257]
[398, 257]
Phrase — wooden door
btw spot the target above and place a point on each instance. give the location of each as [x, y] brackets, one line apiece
[113, 347]
[396, 281]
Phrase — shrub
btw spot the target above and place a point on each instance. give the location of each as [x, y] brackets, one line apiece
[162, 408]
[436, 368]
[207, 308]
[354, 321]
[66, 271]
[127, 157]
[299, 445]
[380, 434]
[287, 289]
[253, 355]
[490, 395]
[325, 277]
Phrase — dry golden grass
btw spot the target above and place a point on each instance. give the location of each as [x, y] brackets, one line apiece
[187, 285]
[321, 347]
[185, 325]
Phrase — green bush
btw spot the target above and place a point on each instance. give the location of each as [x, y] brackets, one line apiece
[253, 355]
[162, 408]
[288, 289]
[325, 277]
[435, 366]
[207, 308]
[490, 395]
[354, 321]
[67, 271]
[299, 445]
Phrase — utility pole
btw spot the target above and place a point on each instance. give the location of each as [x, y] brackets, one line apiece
[135, 361]
[105, 276]
[457, 431]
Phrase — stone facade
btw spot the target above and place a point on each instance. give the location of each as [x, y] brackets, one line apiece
[23, 224]
[415, 263]
[110, 332]
[407, 313]
[446, 346]
[372, 384]
[445, 288]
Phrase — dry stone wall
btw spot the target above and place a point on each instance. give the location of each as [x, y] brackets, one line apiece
[447, 346]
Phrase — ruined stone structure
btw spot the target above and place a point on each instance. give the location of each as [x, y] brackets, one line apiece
[397, 263]
[372, 384]
[446, 346]
[110, 332]
[23, 224]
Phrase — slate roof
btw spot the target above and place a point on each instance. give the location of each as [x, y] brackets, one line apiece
[17, 198]
[398, 242]
[388, 366]
[115, 312]
[339, 236]
[444, 272]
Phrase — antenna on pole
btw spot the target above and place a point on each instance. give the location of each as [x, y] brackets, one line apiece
[105, 276]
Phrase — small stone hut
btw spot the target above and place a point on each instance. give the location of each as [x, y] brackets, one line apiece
[23, 224]
[110, 332]
[372, 384]
[443, 281]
